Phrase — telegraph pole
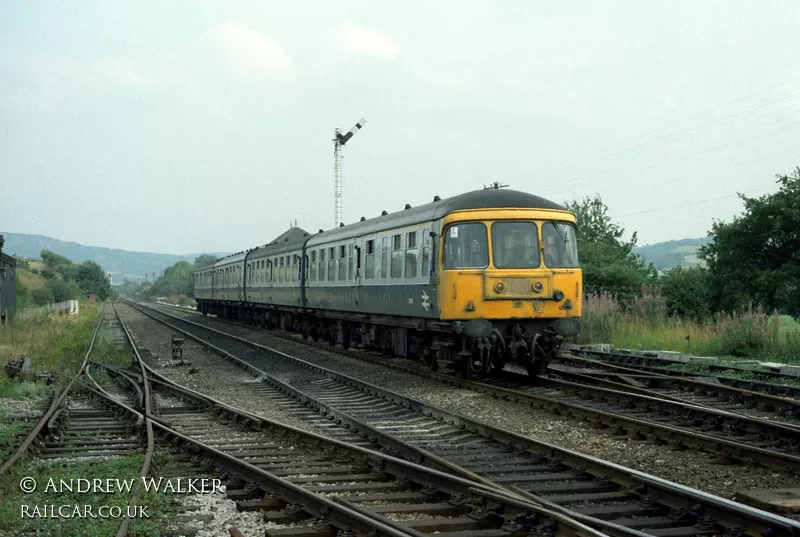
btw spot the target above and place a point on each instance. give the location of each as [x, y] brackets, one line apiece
[2, 277]
[338, 142]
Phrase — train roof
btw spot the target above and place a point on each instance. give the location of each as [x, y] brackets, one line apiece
[490, 198]
[289, 240]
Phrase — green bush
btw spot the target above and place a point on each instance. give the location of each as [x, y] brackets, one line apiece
[42, 296]
[61, 290]
[688, 292]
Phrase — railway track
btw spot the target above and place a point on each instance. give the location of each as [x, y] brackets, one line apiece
[700, 391]
[338, 487]
[768, 382]
[730, 436]
[587, 486]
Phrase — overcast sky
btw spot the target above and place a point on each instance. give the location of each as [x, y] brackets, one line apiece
[206, 126]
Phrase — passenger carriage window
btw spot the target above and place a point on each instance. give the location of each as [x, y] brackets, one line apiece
[560, 249]
[342, 263]
[397, 256]
[331, 264]
[411, 255]
[350, 260]
[466, 246]
[384, 256]
[322, 265]
[312, 269]
[369, 260]
[296, 270]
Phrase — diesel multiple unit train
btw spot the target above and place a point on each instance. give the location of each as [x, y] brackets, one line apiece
[476, 280]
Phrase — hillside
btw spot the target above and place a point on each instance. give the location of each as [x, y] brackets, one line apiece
[669, 254]
[120, 263]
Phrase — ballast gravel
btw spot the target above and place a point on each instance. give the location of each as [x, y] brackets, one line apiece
[697, 470]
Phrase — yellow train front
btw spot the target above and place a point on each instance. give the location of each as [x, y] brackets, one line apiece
[509, 281]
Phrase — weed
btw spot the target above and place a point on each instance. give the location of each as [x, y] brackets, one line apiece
[49, 491]
[644, 323]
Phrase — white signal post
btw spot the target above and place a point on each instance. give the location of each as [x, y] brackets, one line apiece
[338, 142]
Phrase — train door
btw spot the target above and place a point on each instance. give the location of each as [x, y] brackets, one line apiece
[357, 272]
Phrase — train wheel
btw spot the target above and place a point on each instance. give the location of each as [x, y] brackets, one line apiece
[346, 336]
[432, 361]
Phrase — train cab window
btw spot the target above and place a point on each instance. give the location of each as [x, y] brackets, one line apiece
[411, 255]
[560, 248]
[515, 245]
[369, 260]
[466, 246]
[397, 256]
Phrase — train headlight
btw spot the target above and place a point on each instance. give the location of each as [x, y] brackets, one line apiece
[558, 296]
[537, 287]
[499, 287]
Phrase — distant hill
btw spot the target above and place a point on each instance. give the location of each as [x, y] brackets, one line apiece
[120, 263]
[670, 254]
[133, 265]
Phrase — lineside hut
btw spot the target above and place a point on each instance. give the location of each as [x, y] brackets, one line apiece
[8, 285]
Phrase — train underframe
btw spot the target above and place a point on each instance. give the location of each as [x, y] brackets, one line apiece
[473, 348]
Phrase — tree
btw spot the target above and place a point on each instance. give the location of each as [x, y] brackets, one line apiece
[57, 264]
[61, 290]
[204, 260]
[755, 259]
[177, 280]
[687, 291]
[42, 296]
[92, 279]
[606, 259]
[23, 262]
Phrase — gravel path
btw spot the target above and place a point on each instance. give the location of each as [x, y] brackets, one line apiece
[696, 470]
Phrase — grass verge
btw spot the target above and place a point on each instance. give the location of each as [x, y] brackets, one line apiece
[644, 324]
[16, 508]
